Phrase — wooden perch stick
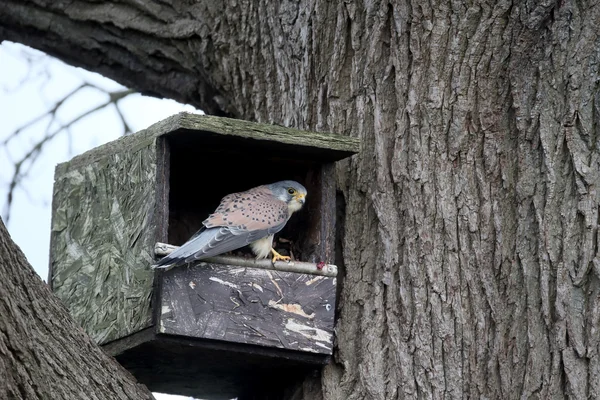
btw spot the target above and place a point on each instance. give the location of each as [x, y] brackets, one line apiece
[163, 249]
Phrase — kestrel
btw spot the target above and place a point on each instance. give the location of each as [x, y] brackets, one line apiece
[245, 218]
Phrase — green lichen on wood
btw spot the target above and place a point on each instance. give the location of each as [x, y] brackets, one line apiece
[343, 145]
[337, 146]
[103, 235]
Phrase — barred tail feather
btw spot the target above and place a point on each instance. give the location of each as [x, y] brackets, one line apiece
[189, 248]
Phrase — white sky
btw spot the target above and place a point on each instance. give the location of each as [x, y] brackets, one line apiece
[27, 90]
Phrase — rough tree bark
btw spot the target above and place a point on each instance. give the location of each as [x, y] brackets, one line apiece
[471, 215]
[44, 354]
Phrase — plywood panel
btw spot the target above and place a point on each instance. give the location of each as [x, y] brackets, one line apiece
[103, 233]
[247, 305]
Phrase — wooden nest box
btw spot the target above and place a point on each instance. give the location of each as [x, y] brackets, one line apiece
[206, 330]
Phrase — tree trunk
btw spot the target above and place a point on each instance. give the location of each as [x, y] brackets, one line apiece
[470, 244]
[43, 353]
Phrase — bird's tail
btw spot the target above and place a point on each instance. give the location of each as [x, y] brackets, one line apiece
[169, 261]
[178, 256]
[208, 242]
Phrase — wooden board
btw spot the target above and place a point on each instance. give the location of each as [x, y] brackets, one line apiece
[103, 232]
[210, 369]
[246, 305]
[324, 146]
[334, 147]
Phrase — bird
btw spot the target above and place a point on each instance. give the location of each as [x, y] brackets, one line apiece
[245, 218]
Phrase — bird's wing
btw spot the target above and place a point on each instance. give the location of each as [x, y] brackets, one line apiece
[252, 210]
[208, 243]
[240, 219]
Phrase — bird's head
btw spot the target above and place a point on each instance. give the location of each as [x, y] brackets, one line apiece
[293, 193]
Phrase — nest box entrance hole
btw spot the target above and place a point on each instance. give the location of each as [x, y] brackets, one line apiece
[202, 168]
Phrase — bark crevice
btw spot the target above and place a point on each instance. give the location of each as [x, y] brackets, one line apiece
[471, 212]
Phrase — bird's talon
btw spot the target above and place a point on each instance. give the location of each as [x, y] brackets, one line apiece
[279, 257]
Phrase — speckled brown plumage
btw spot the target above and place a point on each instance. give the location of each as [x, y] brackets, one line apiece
[254, 209]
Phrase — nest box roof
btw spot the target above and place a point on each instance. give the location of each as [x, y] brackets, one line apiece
[219, 134]
[210, 131]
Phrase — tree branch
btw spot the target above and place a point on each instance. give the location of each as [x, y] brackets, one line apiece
[44, 354]
[146, 47]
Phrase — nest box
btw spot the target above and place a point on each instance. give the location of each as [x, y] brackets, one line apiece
[214, 329]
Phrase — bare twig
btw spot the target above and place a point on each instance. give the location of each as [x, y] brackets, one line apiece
[33, 58]
[50, 113]
[22, 166]
[162, 249]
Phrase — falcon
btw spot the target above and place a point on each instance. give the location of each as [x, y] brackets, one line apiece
[245, 218]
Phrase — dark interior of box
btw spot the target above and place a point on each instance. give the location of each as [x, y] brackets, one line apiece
[204, 167]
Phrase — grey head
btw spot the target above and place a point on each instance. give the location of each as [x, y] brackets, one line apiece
[292, 192]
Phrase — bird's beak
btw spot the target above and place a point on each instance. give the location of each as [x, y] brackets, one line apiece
[300, 198]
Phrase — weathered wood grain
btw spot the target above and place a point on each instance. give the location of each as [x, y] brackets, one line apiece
[327, 217]
[103, 232]
[247, 305]
[328, 146]
[339, 146]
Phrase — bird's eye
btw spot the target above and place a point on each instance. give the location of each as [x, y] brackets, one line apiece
[291, 191]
